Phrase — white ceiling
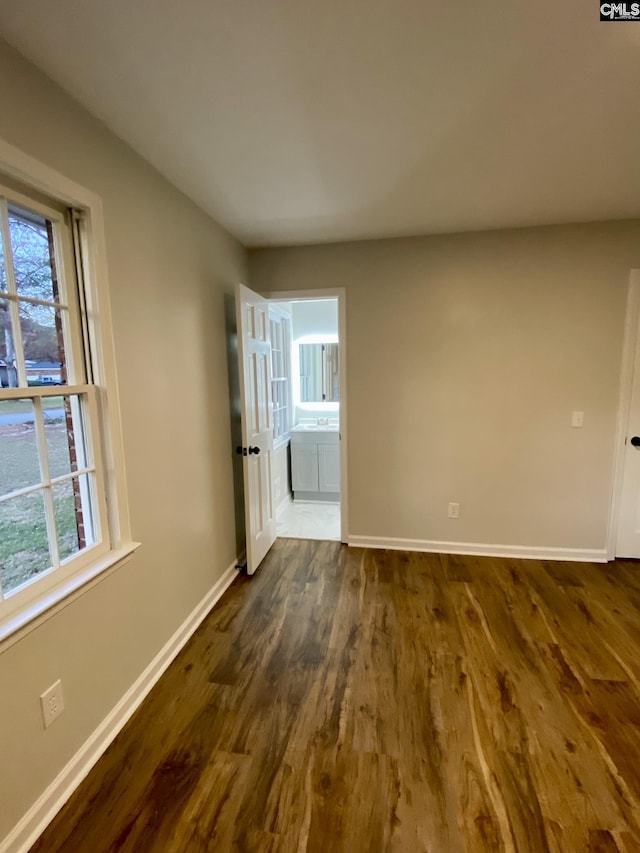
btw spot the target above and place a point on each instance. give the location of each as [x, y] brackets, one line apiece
[296, 121]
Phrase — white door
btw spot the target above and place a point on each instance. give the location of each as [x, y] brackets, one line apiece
[628, 535]
[254, 356]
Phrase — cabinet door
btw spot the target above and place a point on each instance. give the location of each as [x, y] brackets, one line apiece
[304, 467]
[329, 467]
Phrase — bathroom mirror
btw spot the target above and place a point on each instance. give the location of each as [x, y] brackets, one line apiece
[319, 381]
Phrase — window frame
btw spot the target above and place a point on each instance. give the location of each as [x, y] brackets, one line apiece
[39, 600]
[281, 318]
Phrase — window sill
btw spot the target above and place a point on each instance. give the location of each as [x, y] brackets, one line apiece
[53, 600]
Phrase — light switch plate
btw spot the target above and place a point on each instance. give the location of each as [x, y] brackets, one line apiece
[577, 420]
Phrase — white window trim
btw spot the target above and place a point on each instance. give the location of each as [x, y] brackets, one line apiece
[277, 313]
[43, 179]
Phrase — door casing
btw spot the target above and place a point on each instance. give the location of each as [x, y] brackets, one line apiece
[340, 294]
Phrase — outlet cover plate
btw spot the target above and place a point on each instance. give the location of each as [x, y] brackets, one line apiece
[52, 702]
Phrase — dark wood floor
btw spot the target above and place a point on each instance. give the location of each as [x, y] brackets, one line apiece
[365, 701]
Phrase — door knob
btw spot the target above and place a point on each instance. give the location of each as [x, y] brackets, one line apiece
[256, 450]
[636, 441]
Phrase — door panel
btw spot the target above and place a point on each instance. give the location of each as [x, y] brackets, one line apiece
[304, 467]
[329, 467]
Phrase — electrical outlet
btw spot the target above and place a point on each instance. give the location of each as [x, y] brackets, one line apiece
[454, 510]
[52, 703]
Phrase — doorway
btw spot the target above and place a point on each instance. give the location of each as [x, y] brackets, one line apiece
[309, 414]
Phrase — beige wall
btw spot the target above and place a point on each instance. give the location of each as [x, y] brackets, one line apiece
[466, 356]
[170, 267]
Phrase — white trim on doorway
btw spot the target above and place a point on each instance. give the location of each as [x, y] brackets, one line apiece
[630, 342]
[340, 294]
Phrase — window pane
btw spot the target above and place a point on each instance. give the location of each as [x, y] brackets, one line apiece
[65, 437]
[24, 552]
[72, 506]
[3, 273]
[32, 248]
[8, 372]
[19, 466]
[43, 346]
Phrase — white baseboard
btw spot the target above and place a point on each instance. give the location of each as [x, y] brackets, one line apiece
[42, 812]
[525, 552]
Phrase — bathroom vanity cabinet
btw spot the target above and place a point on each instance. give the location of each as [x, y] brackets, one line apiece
[315, 463]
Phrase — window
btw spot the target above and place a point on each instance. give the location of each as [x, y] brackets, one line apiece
[60, 520]
[280, 372]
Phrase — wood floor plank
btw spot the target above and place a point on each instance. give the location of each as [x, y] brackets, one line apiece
[502, 722]
[566, 622]
[562, 768]
[208, 819]
[609, 613]
[363, 701]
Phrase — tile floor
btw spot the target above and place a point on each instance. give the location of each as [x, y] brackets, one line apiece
[309, 520]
